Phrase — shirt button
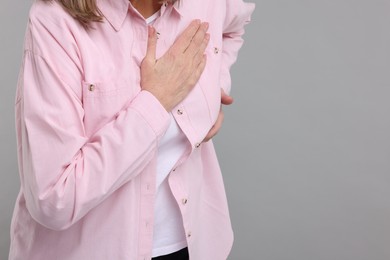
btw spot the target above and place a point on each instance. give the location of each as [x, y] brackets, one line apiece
[184, 201]
[179, 112]
[189, 234]
[216, 50]
[91, 87]
[197, 145]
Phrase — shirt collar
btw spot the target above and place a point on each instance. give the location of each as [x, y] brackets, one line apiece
[115, 11]
[179, 7]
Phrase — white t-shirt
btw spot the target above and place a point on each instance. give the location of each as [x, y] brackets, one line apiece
[168, 234]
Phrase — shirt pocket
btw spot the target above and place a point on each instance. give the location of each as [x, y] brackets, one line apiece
[103, 100]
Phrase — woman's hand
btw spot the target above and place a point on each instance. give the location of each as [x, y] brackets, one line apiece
[171, 77]
[225, 100]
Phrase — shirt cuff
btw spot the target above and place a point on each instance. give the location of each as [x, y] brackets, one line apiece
[150, 108]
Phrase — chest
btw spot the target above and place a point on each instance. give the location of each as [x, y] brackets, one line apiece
[111, 65]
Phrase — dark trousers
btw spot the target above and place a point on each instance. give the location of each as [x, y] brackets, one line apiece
[179, 255]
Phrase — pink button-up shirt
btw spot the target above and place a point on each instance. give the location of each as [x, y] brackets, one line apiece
[87, 134]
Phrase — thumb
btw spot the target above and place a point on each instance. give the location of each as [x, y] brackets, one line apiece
[152, 43]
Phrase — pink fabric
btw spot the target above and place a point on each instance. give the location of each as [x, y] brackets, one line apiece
[87, 134]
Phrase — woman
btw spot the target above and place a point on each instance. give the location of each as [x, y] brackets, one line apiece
[116, 101]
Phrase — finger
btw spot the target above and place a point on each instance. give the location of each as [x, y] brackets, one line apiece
[226, 99]
[199, 56]
[209, 135]
[197, 43]
[199, 70]
[152, 44]
[184, 40]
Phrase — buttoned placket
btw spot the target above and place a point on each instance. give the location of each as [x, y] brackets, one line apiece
[182, 120]
[147, 182]
[147, 187]
[180, 195]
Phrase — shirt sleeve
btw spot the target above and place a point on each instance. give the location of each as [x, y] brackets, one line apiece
[238, 14]
[64, 173]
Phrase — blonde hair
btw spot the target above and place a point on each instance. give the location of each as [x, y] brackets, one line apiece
[86, 11]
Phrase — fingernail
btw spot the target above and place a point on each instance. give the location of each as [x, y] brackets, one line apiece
[205, 26]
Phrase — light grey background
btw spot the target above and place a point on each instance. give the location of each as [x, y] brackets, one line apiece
[305, 149]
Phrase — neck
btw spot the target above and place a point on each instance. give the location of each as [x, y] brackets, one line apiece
[146, 7]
